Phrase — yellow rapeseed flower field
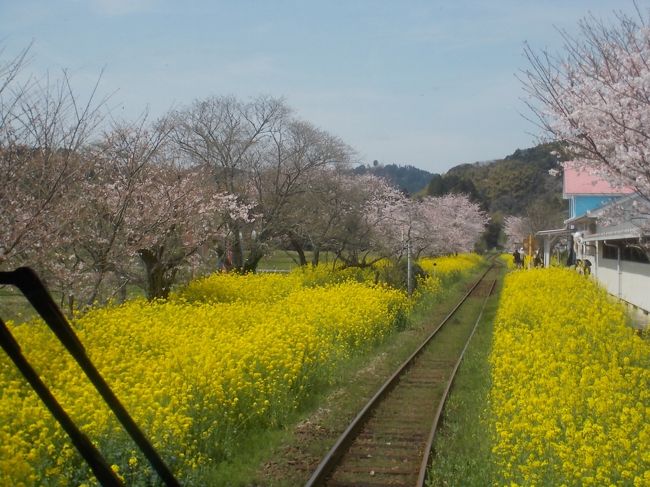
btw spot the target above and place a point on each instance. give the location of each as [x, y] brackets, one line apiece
[508, 260]
[192, 375]
[449, 264]
[441, 270]
[570, 397]
[223, 355]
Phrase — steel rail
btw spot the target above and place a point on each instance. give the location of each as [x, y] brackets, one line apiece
[329, 462]
[441, 405]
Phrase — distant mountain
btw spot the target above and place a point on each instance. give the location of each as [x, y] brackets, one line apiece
[510, 185]
[519, 184]
[408, 178]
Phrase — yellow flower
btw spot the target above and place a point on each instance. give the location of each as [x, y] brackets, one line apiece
[224, 354]
[570, 381]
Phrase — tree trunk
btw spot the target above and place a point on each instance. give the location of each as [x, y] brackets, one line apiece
[122, 294]
[253, 259]
[237, 254]
[315, 256]
[159, 276]
[299, 250]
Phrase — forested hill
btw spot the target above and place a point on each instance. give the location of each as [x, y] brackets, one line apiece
[514, 185]
[407, 178]
[519, 184]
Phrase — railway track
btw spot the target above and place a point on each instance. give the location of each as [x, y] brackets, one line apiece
[389, 442]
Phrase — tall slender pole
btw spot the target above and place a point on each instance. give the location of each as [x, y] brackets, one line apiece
[409, 269]
[241, 249]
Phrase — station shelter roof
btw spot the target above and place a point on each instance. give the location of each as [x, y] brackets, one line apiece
[633, 225]
[580, 182]
[554, 233]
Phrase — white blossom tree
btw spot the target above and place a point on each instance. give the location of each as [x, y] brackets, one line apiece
[258, 151]
[150, 207]
[402, 227]
[367, 203]
[595, 97]
[117, 168]
[174, 216]
[516, 229]
[43, 127]
[430, 226]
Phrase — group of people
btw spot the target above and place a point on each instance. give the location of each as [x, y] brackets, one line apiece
[583, 266]
[519, 257]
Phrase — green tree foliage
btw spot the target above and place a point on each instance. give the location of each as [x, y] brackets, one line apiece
[455, 181]
[510, 185]
[491, 236]
[407, 178]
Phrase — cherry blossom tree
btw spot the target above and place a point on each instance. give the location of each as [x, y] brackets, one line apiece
[375, 220]
[174, 216]
[258, 151]
[43, 127]
[516, 229]
[430, 226]
[405, 227]
[229, 137]
[392, 216]
[366, 204]
[286, 177]
[595, 96]
[118, 168]
[142, 204]
[137, 216]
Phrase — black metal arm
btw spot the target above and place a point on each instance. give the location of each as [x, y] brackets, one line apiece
[34, 290]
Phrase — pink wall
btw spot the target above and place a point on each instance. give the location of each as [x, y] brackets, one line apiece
[581, 182]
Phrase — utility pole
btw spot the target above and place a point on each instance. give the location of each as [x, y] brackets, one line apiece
[409, 269]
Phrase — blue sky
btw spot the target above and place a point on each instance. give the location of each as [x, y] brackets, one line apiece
[427, 83]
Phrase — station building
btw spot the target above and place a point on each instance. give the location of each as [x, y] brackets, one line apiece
[606, 234]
